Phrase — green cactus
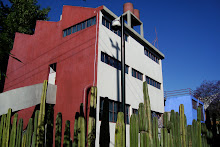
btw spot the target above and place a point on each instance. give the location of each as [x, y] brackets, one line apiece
[41, 125]
[165, 119]
[29, 132]
[66, 141]
[58, 132]
[75, 142]
[120, 131]
[13, 131]
[182, 126]
[155, 132]
[195, 134]
[134, 130]
[6, 130]
[34, 137]
[81, 128]
[23, 144]
[144, 139]
[199, 127]
[92, 118]
[142, 118]
[2, 125]
[50, 120]
[19, 133]
[161, 137]
[165, 137]
[104, 138]
[148, 110]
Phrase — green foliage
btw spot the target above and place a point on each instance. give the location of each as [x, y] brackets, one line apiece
[29, 132]
[142, 118]
[3, 119]
[34, 137]
[20, 17]
[6, 130]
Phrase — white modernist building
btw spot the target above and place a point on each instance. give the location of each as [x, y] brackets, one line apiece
[143, 63]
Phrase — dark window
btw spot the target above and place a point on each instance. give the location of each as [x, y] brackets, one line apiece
[194, 104]
[202, 115]
[151, 55]
[153, 82]
[74, 29]
[112, 62]
[79, 26]
[114, 108]
[135, 111]
[108, 25]
[137, 74]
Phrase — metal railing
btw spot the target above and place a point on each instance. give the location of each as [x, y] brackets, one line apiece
[180, 92]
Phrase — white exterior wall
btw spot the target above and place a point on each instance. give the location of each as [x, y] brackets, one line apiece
[107, 76]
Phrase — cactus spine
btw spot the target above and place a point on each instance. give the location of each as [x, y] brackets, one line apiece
[13, 131]
[66, 141]
[81, 128]
[40, 128]
[58, 130]
[134, 129]
[120, 131]
[92, 117]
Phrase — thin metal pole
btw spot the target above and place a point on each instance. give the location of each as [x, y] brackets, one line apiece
[123, 72]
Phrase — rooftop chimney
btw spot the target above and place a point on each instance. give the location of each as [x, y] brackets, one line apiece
[128, 6]
[137, 13]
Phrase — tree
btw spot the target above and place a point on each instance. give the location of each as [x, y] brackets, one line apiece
[20, 17]
[209, 93]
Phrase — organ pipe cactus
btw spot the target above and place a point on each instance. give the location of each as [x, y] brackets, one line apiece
[34, 137]
[50, 120]
[58, 130]
[142, 118]
[23, 144]
[13, 131]
[199, 127]
[92, 117]
[75, 137]
[155, 132]
[134, 129]
[19, 133]
[40, 128]
[66, 141]
[148, 110]
[120, 131]
[6, 130]
[182, 125]
[29, 132]
[2, 125]
[81, 128]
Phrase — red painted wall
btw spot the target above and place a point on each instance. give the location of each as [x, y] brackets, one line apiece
[74, 55]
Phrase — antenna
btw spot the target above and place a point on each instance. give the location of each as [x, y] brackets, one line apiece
[156, 39]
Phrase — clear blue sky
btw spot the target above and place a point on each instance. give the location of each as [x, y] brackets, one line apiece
[188, 33]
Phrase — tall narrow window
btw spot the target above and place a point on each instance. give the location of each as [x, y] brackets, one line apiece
[52, 74]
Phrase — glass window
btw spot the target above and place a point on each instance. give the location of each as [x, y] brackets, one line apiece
[83, 25]
[74, 29]
[89, 23]
[79, 27]
[102, 57]
[93, 20]
[64, 33]
[107, 24]
[103, 21]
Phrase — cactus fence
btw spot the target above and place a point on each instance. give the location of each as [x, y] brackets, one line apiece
[143, 130]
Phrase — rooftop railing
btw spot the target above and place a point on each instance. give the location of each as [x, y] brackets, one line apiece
[180, 92]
